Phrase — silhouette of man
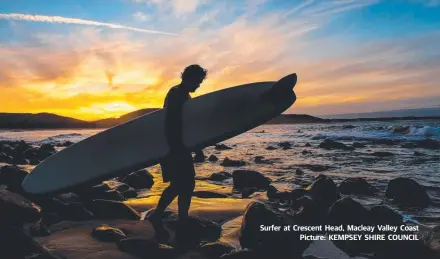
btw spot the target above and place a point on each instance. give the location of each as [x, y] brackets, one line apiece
[178, 168]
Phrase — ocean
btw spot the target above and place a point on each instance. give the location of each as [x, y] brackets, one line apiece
[280, 165]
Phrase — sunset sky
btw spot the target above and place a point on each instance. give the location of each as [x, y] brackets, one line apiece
[92, 59]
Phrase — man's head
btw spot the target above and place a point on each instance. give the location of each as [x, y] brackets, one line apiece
[193, 76]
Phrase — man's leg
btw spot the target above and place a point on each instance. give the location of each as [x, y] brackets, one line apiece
[168, 195]
[186, 189]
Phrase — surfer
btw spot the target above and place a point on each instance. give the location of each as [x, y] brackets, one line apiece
[178, 168]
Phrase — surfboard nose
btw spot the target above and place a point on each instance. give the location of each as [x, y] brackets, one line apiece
[283, 89]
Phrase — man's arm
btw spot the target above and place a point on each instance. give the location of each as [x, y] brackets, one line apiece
[173, 121]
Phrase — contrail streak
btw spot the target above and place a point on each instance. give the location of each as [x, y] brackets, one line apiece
[66, 20]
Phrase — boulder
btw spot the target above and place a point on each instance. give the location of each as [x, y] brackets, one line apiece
[346, 212]
[299, 172]
[43, 154]
[417, 153]
[227, 162]
[15, 243]
[39, 230]
[141, 179]
[357, 186]
[222, 146]
[220, 176]
[348, 127]
[215, 249]
[7, 149]
[108, 233]
[386, 142]
[145, 248]
[249, 178]
[67, 143]
[47, 147]
[429, 144]
[106, 209]
[407, 192]
[12, 177]
[209, 194]
[308, 145]
[213, 158]
[273, 193]
[305, 152]
[358, 145]
[272, 242]
[21, 146]
[331, 144]
[271, 148]
[401, 129]
[19, 160]
[324, 190]
[409, 145]
[15, 210]
[285, 145]
[382, 154]
[247, 192]
[5, 158]
[261, 160]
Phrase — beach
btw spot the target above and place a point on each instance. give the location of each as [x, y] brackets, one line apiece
[276, 161]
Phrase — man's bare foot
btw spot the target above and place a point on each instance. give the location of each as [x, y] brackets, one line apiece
[161, 234]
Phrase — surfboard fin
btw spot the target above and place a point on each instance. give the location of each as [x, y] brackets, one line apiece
[282, 89]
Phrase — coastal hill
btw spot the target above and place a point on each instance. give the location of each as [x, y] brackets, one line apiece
[48, 120]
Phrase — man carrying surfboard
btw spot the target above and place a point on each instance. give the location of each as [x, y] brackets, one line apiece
[178, 168]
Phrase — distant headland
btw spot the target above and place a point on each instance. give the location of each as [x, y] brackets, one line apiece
[53, 121]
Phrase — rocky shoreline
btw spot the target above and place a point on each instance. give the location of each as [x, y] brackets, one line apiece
[103, 221]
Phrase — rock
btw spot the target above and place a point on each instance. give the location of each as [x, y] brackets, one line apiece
[387, 142]
[308, 145]
[317, 168]
[285, 145]
[358, 145]
[274, 193]
[331, 144]
[212, 158]
[108, 233]
[324, 190]
[348, 127]
[234, 163]
[215, 249]
[111, 210]
[15, 243]
[199, 157]
[47, 147]
[274, 243]
[409, 145]
[43, 154]
[67, 143]
[39, 230]
[12, 177]
[21, 146]
[112, 195]
[429, 144]
[433, 240]
[19, 160]
[141, 179]
[271, 148]
[249, 178]
[383, 154]
[407, 192]
[7, 149]
[5, 158]
[34, 161]
[30, 153]
[261, 160]
[417, 153]
[74, 211]
[220, 176]
[247, 192]
[299, 172]
[345, 212]
[305, 152]
[357, 185]
[209, 194]
[222, 146]
[129, 193]
[241, 254]
[145, 248]
[15, 209]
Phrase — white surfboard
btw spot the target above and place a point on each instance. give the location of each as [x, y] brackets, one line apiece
[140, 143]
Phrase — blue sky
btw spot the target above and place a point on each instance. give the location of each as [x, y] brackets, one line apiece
[350, 55]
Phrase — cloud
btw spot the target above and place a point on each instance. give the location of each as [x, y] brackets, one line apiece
[85, 71]
[179, 7]
[140, 16]
[66, 20]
